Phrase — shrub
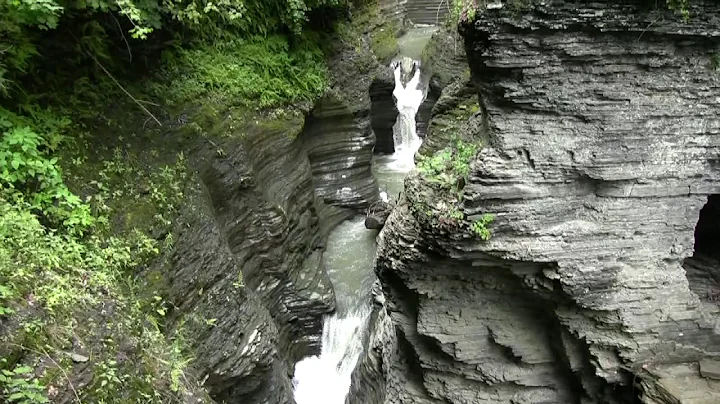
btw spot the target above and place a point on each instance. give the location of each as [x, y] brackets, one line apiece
[450, 166]
[258, 73]
[446, 172]
[30, 176]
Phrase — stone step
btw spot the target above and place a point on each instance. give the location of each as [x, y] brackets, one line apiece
[427, 11]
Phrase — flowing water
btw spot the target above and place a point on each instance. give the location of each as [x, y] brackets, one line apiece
[349, 260]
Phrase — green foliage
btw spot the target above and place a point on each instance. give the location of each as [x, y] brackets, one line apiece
[256, 73]
[480, 226]
[148, 15]
[384, 44]
[680, 6]
[19, 386]
[438, 200]
[30, 176]
[111, 30]
[60, 278]
[448, 166]
[715, 61]
[463, 11]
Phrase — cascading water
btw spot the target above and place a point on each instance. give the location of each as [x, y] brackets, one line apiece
[325, 379]
[349, 258]
[407, 99]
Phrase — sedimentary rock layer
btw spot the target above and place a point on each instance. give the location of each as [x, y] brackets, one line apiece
[383, 112]
[339, 142]
[246, 273]
[602, 137]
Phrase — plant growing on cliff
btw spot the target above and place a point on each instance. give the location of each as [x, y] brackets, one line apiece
[65, 278]
[30, 175]
[680, 6]
[464, 11]
[480, 226]
[255, 73]
[440, 205]
[449, 167]
[20, 386]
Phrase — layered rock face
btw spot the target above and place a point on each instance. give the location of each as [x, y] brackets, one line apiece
[393, 11]
[339, 143]
[246, 273]
[383, 112]
[601, 135]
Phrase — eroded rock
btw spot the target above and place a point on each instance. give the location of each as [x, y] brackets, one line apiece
[601, 127]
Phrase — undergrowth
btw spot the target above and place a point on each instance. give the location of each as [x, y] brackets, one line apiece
[256, 73]
[69, 291]
[445, 174]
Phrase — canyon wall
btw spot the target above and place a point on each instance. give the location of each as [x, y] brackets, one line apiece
[600, 135]
[247, 273]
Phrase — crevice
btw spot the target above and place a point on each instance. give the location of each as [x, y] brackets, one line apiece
[703, 268]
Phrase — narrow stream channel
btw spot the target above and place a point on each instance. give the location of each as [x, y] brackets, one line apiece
[349, 260]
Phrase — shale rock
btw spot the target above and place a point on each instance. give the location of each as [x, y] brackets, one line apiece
[601, 127]
[231, 333]
[377, 214]
[383, 112]
[246, 273]
[444, 58]
[338, 137]
[339, 143]
[393, 12]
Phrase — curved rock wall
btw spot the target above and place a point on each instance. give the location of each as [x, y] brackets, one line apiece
[339, 143]
[600, 123]
[383, 112]
[246, 275]
[232, 335]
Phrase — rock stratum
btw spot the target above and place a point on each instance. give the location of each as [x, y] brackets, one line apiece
[600, 166]
[246, 275]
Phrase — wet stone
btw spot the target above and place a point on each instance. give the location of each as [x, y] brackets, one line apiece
[710, 369]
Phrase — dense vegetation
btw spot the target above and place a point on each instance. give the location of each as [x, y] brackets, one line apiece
[76, 225]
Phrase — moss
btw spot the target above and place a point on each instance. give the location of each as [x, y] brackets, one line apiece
[384, 44]
[382, 35]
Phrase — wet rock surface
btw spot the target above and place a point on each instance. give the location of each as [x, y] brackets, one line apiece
[246, 274]
[431, 12]
[383, 111]
[377, 214]
[339, 143]
[600, 126]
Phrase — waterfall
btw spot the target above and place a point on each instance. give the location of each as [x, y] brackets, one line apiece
[325, 379]
[349, 259]
[407, 99]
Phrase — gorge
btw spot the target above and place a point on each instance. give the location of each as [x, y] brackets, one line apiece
[553, 237]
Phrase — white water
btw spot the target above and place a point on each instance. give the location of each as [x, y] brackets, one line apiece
[407, 99]
[349, 259]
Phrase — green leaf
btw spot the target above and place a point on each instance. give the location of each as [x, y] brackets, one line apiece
[23, 370]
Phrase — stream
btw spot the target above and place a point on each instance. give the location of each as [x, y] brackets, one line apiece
[349, 260]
